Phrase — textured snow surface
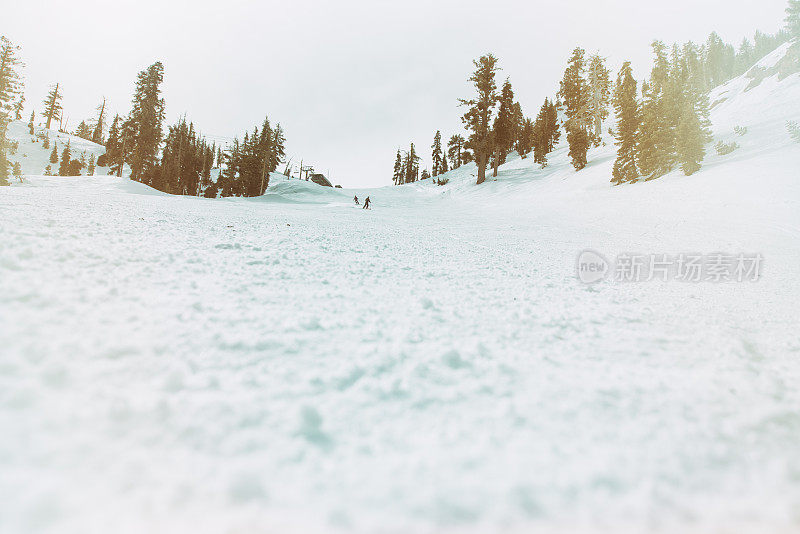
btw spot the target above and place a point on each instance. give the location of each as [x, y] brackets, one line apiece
[296, 364]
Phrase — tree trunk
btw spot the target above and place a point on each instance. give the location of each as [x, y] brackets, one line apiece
[496, 161]
[481, 168]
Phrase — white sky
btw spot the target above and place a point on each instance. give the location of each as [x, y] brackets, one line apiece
[351, 80]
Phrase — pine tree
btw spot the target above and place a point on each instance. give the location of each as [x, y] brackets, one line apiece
[17, 171]
[18, 107]
[398, 169]
[627, 112]
[99, 125]
[436, 154]
[90, 169]
[54, 154]
[83, 131]
[793, 18]
[693, 130]
[31, 129]
[145, 122]
[10, 87]
[425, 175]
[411, 165]
[48, 171]
[575, 92]
[660, 113]
[46, 142]
[546, 132]
[454, 148]
[443, 169]
[63, 167]
[503, 129]
[52, 105]
[478, 117]
[599, 95]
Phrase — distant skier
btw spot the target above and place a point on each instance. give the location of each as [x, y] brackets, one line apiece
[356, 199]
[366, 203]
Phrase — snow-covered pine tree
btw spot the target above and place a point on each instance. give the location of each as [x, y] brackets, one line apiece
[444, 168]
[31, 129]
[63, 167]
[503, 129]
[575, 94]
[17, 171]
[10, 86]
[398, 169]
[599, 95]
[478, 117]
[48, 171]
[425, 174]
[627, 112]
[454, 149]
[145, 122]
[91, 168]
[436, 154]
[52, 105]
[54, 154]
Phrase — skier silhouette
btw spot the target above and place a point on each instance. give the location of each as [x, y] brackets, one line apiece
[366, 203]
[356, 199]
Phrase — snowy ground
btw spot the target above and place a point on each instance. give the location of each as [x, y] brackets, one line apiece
[296, 364]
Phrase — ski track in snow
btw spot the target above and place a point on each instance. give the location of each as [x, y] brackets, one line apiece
[297, 364]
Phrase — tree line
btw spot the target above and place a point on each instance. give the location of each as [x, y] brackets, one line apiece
[660, 124]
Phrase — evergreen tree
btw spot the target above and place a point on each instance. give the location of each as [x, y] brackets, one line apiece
[17, 171]
[793, 18]
[145, 121]
[599, 95]
[91, 168]
[436, 154]
[627, 112]
[693, 131]
[52, 105]
[48, 171]
[478, 117]
[425, 174]
[63, 167]
[575, 93]
[443, 169]
[100, 124]
[411, 165]
[31, 129]
[46, 142]
[10, 87]
[660, 112]
[504, 128]
[54, 154]
[398, 169]
[454, 148]
[525, 138]
[546, 132]
[18, 107]
[83, 131]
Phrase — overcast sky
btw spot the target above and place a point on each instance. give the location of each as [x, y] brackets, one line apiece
[351, 80]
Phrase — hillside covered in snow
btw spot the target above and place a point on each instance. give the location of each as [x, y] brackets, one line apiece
[294, 363]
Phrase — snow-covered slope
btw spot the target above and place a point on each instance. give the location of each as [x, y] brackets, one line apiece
[34, 158]
[294, 363]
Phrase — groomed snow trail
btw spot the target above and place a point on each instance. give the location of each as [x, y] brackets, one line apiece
[175, 364]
